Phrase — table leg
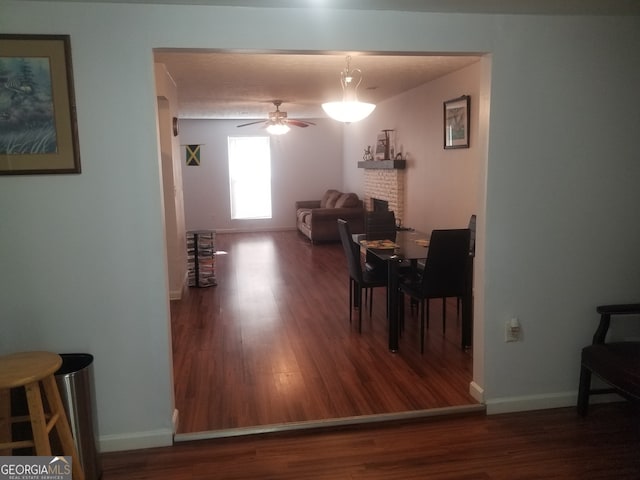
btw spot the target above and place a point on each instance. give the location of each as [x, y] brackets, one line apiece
[467, 308]
[392, 303]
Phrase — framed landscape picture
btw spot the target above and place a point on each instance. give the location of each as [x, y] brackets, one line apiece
[38, 129]
[456, 122]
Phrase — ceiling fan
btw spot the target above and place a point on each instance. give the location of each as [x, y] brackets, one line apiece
[278, 123]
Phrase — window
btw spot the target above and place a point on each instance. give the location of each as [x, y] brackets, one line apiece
[250, 177]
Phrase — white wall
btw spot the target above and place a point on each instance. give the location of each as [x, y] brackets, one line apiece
[82, 266]
[304, 164]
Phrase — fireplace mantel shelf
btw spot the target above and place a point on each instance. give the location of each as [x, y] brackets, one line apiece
[383, 164]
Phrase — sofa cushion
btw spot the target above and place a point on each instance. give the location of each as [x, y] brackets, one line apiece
[348, 200]
[333, 198]
[325, 198]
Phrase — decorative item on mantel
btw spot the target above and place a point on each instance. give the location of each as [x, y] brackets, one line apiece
[385, 145]
[368, 155]
[385, 158]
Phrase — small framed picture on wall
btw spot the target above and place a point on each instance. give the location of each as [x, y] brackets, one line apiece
[456, 122]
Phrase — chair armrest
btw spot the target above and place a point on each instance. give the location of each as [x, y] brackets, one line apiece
[307, 204]
[606, 311]
[626, 309]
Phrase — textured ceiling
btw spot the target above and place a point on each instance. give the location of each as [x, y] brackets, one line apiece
[225, 85]
[542, 7]
[241, 86]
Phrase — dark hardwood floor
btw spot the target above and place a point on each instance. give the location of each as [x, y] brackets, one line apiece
[272, 343]
[548, 444]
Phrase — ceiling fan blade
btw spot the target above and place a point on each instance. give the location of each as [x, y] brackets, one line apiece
[250, 123]
[299, 123]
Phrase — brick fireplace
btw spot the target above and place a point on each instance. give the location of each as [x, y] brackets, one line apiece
[385, 184]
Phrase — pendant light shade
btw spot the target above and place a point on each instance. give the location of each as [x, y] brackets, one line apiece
[348, 112]
[349, 109]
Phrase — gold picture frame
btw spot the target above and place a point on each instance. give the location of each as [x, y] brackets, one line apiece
[38, 126]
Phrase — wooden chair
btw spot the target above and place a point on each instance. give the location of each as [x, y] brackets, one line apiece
[616, 363]
[359, 279]
[444, 274]
[29, 370]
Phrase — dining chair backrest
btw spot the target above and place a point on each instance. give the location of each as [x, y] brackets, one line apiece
[351, 250]
[380, 225]
[445, 272]
[472, 235]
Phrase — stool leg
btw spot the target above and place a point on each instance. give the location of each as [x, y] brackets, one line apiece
[5, 420]
[38, 420]
[62, 426]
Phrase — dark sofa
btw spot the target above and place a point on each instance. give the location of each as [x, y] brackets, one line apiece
[318, 219]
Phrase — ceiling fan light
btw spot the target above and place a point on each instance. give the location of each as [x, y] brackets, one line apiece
[278, 128]
[348, 111]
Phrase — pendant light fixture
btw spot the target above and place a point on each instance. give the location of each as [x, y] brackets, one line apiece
[349, 109]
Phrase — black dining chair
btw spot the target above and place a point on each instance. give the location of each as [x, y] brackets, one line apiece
[445, 274]
[472, 254]
[359, 279]
[379, 226]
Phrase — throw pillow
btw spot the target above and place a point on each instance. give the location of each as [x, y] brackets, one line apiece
[333, 198]
[325, 198]
[348, 200]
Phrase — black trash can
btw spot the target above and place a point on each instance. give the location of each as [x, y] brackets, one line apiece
[75, 382]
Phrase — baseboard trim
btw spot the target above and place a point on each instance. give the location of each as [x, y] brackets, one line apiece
[329, 423]
[175, 420]
[252, 230]
[135, 441]
[477, 392]
[530, 402]
[177, 294]
[542, 402]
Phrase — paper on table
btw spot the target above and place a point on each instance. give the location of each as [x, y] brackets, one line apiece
[380, 244]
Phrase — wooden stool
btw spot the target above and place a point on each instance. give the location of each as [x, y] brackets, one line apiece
[27, 370]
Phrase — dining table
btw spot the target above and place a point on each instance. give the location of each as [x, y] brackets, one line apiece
[407, 248]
